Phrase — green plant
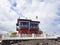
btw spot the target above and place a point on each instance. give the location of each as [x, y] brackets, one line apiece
[14, 33]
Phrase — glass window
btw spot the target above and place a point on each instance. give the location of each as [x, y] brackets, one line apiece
[34, 26]
[31, 26]
[24, 24]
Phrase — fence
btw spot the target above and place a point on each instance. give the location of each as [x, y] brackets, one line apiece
[27, 36]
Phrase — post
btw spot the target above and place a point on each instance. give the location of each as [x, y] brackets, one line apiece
[33, 35]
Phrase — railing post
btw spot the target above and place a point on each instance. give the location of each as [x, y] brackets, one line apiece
[2, 36]
[33, 35]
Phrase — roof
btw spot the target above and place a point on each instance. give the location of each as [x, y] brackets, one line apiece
[28, 20]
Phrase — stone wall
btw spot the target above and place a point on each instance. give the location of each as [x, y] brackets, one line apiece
[32, 42]
[39, 42]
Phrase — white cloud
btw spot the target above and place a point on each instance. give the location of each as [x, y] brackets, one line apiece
[44, 9]
[7, 17]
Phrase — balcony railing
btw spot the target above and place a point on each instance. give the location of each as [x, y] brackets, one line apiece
[27, 36]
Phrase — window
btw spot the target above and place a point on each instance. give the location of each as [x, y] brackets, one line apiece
[34, 26]
[24, 24]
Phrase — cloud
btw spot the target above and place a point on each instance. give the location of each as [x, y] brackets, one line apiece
[13, 3]
[7, 17]
[46, 10]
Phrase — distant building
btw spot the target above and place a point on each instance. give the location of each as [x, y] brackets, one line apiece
[26, 27]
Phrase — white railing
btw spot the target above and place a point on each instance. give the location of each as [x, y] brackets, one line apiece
[29, 36]
[20, 36]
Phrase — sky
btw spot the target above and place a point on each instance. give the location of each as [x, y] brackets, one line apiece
[48, 12]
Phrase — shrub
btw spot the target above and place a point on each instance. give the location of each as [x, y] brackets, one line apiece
[14, 33]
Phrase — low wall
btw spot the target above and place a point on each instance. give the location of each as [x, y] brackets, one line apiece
[38, 42]
[33, 42]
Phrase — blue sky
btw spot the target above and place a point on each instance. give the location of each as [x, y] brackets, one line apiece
[48, 12]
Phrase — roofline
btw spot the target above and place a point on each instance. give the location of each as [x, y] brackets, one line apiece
[28, 20]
